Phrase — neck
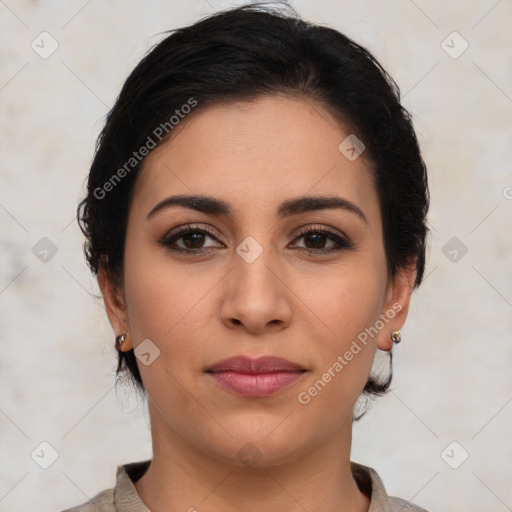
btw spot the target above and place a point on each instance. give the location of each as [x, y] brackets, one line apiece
[184, 478]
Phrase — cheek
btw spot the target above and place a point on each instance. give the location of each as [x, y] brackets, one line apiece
[153, 307]
[349, 303]
[158, 293]
[344, 356]
[347, 299]
[160, 307]
[169, 306]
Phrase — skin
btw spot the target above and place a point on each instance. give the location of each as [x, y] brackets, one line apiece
[290, 302]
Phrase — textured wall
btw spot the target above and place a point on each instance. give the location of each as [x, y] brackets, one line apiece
[453, 378]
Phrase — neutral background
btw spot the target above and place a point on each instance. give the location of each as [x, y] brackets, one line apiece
[453, 371]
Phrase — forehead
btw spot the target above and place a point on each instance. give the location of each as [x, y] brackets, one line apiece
[254, 154]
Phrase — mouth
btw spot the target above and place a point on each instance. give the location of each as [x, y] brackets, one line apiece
[256, 377]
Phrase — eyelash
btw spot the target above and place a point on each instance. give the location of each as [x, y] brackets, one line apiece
[168, 241]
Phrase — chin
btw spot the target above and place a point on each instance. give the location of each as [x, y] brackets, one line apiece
[264, 444]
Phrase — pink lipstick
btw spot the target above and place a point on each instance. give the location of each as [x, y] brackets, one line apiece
[256, 377]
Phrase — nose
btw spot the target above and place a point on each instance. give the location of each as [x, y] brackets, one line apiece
[256, 298]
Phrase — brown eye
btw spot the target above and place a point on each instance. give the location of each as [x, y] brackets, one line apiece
[315, 241]
[193, 240]
[189, 239]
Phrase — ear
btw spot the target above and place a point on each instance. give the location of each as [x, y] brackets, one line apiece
[115, 306]
[396, 307]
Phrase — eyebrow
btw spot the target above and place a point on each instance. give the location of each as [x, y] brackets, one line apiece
[218, 207]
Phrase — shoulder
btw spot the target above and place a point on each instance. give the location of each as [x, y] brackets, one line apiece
[400, 505]
[123, 496]
[370, 484]
[103, 501]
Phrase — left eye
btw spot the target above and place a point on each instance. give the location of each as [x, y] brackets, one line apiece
[315, 239]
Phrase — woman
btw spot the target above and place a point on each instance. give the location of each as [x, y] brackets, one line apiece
[256, 218]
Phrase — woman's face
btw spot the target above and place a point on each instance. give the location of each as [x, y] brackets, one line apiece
[237, 276]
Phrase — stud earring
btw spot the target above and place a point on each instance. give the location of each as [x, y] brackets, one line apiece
[119, 341]
[396, 337]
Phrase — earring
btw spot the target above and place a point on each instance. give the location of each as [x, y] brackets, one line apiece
[119, 341]
[396, 337]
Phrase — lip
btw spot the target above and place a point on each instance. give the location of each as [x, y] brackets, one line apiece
[258, 377]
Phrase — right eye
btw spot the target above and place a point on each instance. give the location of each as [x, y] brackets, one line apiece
[188, 239]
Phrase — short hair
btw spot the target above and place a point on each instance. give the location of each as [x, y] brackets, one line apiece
[242, 54]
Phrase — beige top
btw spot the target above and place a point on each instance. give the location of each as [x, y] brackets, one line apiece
[124, 498]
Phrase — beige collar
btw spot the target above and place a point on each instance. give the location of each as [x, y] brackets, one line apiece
[126, 498]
